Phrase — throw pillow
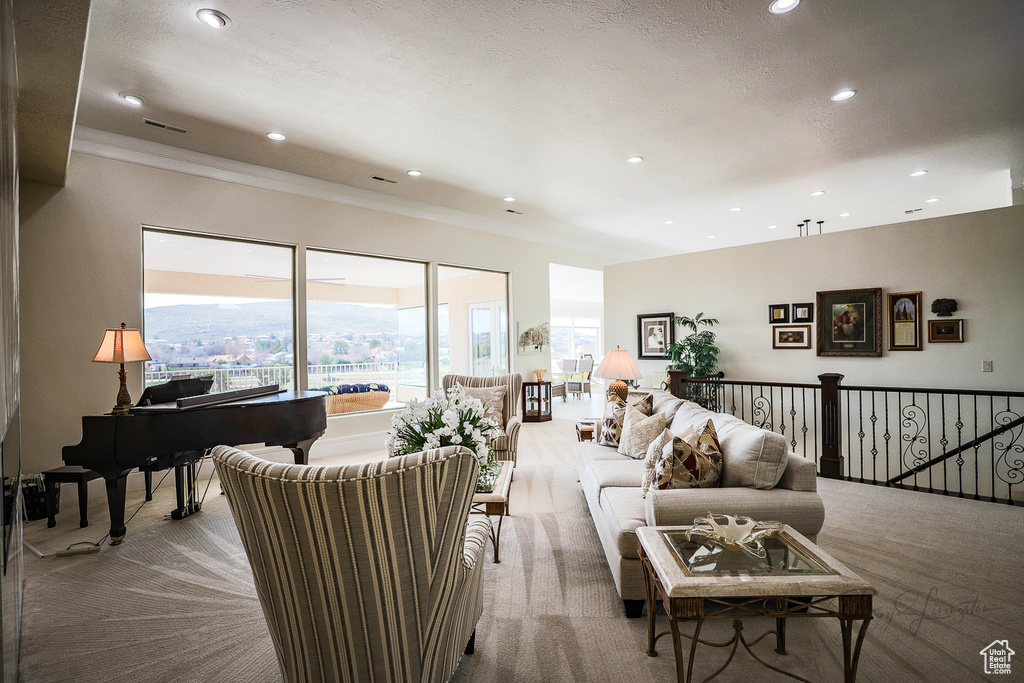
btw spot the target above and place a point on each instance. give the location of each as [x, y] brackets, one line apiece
[611, 425]
[494, 400]
[697, 463]
[645, 405]
[638, 431]
[653, 455]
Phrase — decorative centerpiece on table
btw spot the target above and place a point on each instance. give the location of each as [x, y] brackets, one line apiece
[453, 420]
[733, 532]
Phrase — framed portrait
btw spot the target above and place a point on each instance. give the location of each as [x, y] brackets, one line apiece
[654, 334]
[803, 313]
[849, 322]
[791, 337]
[904, 321]
[778, 313]
[946, 330]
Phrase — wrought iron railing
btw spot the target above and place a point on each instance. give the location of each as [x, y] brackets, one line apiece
[956, 442]
[225, 379]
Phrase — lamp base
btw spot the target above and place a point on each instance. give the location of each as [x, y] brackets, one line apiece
[124, 399]
[618, 388]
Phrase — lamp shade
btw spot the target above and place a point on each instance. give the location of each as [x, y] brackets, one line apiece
[121, 345]
[618, 364]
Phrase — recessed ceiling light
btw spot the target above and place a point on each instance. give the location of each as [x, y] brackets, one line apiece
[843, 95]
[917, 174]
[132, 99]
[414, 173]
[735, 208]
[510, 199]
[711, 237]
[933, 199]
[817, 193]
[782, 6]
[635, 160]
[772, 227]
[844, 215]
[213, 18]
[276, 136]
[669, 222]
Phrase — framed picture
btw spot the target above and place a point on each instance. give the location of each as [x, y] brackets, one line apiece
[654, 334]
[904, 321]
[778, 313]
[849, 322]
[946, 330]
[803, 313]
[533, 338]
[791, 337]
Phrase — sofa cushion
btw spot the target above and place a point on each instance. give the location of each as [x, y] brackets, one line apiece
[621, 472]
[623, 512]
[665, 403]
[638, 431]
[652, 457]
[611, 425]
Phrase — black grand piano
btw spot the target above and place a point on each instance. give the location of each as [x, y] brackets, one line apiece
[176, 433]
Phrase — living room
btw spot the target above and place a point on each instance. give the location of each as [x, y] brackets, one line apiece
[551, 609]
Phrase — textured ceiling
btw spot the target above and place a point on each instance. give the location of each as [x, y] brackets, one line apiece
[728, 104]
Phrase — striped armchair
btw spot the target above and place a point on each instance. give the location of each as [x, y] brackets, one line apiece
[365, 572]
[504, 446]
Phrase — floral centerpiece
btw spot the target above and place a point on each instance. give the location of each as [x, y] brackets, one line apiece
[453, 420]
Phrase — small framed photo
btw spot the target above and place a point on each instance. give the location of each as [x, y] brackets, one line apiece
[946, 330]
[655, 333]
[803, 313]
[778, 313]
[904, 321]
[791, 337]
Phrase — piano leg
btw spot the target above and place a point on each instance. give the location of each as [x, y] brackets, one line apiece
[300, 451]
[115, 504]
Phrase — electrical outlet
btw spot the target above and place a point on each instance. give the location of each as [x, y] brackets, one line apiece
[986, 366]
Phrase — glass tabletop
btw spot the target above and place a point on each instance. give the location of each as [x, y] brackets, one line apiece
[783, 555]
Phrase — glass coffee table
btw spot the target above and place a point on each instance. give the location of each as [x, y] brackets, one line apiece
[699, 580]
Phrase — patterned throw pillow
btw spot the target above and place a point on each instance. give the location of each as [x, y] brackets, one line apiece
[611, 425]
[645, 405]
[638, 431]
[653, 455]
[690, 465]
[494, 400]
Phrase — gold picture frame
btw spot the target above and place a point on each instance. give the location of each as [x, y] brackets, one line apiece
[904, 310]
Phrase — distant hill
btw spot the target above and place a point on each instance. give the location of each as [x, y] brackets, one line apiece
[213, 321]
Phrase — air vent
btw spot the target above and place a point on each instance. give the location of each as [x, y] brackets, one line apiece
[518, 213]
[157, 124]
[384, 180]
[910, 211]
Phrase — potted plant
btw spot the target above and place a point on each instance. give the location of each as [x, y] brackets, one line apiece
[696, 354]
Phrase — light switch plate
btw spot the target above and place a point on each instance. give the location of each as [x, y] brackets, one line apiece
[986, 366]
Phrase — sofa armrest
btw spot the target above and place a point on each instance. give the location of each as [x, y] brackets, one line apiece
[802, 510]
[512, 431]
[800, 474]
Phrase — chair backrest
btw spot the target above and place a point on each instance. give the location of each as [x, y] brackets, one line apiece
[568, 365]
[513, 382]
[354, 565]
[585, 366]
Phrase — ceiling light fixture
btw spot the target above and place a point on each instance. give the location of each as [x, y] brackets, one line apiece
[844, 214]
[843, 95]
[817, 193]
[634, 160]
[414, 173]
[276, 136]
[213, 18]
[128, 97]
[772, 227]
[510, 199]
[735, 208]
[669, 222]
[782, 6]
[933, 199]
[918, 174]
[711, 237]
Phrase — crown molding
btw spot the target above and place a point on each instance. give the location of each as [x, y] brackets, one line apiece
[146, 153]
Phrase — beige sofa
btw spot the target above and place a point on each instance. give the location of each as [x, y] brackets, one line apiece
[761, 477]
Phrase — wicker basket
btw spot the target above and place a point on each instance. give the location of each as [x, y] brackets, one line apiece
[353, 403]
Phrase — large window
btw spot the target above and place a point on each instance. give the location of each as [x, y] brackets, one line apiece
[218, 307]
[473, 321]
[577, 303]
[365, 326]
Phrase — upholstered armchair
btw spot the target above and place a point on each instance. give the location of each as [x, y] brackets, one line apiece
[370, 572]
[504, 446]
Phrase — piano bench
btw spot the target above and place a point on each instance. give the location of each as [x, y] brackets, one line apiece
[71, 474]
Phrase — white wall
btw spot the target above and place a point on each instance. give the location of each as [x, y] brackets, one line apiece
[977, 259]
[81, 271]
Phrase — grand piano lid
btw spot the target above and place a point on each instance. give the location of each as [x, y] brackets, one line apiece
[240, 397]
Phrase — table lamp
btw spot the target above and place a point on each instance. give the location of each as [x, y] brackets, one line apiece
[618, 365]
[121, 345]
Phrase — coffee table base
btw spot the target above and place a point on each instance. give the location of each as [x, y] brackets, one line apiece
[851, 608]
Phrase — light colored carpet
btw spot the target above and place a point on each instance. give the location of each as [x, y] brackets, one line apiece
[175, 602]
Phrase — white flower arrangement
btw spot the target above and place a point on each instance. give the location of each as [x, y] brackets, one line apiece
[453, 420]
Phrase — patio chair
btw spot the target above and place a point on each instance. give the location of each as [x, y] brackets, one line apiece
[579, 382]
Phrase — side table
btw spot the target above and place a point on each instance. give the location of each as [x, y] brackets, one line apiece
[495, 502]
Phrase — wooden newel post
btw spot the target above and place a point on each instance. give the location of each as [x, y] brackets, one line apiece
[831, 462]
